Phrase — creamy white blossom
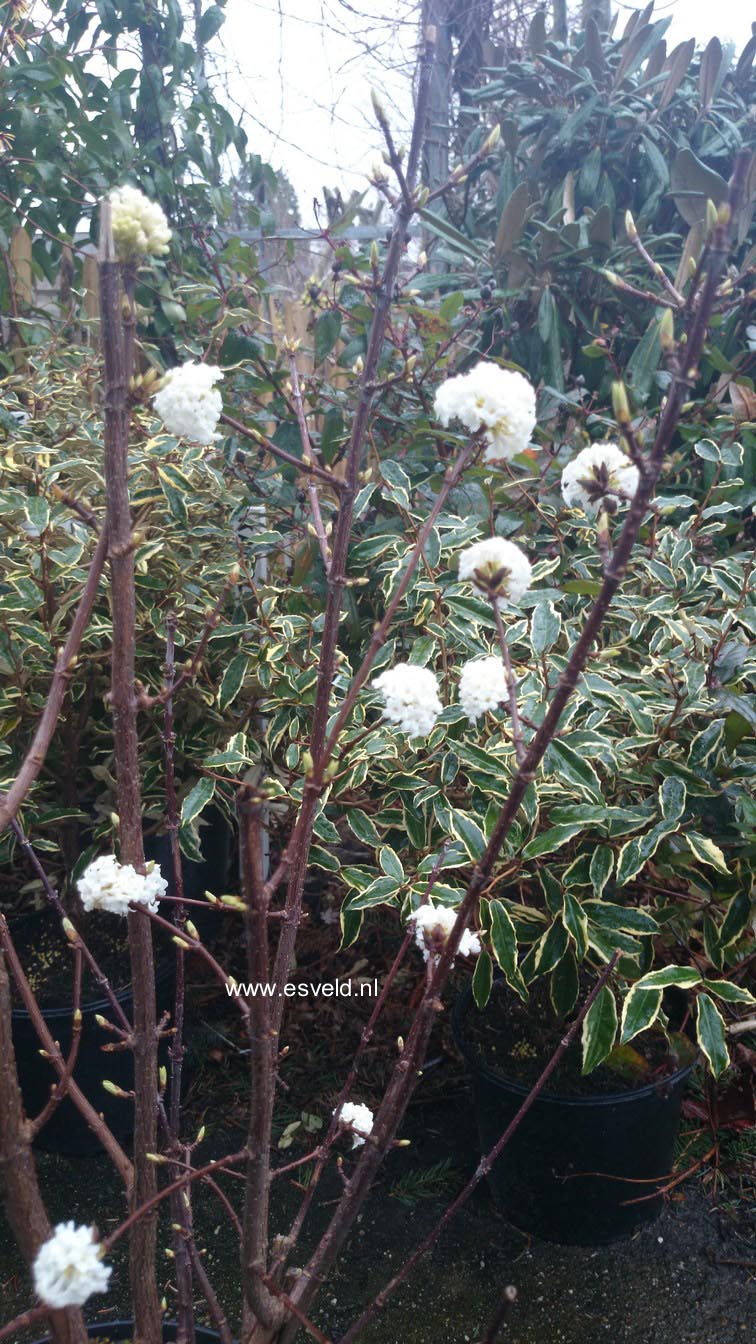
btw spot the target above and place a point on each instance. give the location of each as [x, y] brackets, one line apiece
[358, 1118]
[497, 566]
[482, 686]
[140, 228]
[501, 401]
[68, 1267]
[599, 470]
[411, 698]
[433, 924]
[109, 885]
[189, 404]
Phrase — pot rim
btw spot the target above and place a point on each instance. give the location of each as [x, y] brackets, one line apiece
[164, 968]
[477, 1065]
[99, 1330]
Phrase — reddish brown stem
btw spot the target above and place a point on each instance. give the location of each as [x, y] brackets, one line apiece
[117, 347]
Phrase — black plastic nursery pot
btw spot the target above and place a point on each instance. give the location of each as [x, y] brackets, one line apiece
[65, 1131]
[572, 1167]
[124, 1330]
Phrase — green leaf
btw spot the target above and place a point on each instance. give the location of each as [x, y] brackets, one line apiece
[576, 923]
[482, 979]
[551, 948]
[710, 1034]
[644, 361]
[636, 852]
[672, 798]
[380, 892]
[599, 1029]
[351, 924]
[685, 977]
[327, 332]
[602, 863]
[545, 627]
[458, 241]
[391, 863]
[570, 765]
[469, 832]
[706, 851]
[624, 917]
[565, 985]
[209, 24]
[504, 945]
[736, 920]
[361, 825]
[640, 1009]
[728, 992]
[233, 680]
[196, 800]
[548, 842]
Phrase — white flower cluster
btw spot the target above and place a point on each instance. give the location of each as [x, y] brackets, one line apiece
[353, 1115]
[497, 566]
[140, 228]
[411, 698]
[109, 885]
[482, 686]
[501, 401]
[189, 404]
[68, 1267]
[599, 470]
[433, 924]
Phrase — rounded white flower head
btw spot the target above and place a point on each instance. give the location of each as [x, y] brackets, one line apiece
[411, 698]
[433, 924]
[68, 1267]
[597, 472]
[497, 568]
[353, 1115]
[482, 686]
[140, 228]
[189, 404]
[501, 401]
[109, 885]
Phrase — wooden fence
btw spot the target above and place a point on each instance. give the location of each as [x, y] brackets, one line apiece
[74, 295]
[75, 292]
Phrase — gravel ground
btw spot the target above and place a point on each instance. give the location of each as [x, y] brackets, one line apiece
[669, 1283]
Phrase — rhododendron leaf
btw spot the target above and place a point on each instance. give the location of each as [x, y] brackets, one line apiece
[599, 1029]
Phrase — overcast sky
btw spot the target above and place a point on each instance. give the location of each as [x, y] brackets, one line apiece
[303, 69]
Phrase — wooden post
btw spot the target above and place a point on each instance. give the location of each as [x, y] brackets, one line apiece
[21, 268]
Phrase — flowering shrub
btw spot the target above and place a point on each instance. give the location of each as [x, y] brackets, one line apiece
[558, 727]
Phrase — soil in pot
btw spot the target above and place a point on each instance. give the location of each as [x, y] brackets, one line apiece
[588, 1162]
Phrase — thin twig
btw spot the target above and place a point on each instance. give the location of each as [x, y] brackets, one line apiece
[506, 657]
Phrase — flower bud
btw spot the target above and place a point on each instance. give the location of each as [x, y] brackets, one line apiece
[630, 228]
[620, 404]
[667, 330]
